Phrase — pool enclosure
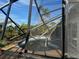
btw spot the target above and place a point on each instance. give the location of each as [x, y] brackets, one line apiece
[51, 29]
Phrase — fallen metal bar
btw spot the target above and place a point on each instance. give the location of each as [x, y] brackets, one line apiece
[6, 20]
[49, 29]
[47, 22]
[52, 11]
[12, 21]
[40, 14]
[6, 5]
[16, 36]
[38, 26]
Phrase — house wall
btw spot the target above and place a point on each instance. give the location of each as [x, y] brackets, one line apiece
[72, 28]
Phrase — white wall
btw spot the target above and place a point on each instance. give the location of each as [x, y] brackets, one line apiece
[72, 25]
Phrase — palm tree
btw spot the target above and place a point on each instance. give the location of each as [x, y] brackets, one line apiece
[44, 11]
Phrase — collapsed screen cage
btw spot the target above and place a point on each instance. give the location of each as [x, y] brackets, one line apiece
[62, 34]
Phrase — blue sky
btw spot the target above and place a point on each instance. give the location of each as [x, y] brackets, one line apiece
[19, 11]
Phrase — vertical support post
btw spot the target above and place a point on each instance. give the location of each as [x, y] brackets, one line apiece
[29, 22]
[63, 29]
[6, 20]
